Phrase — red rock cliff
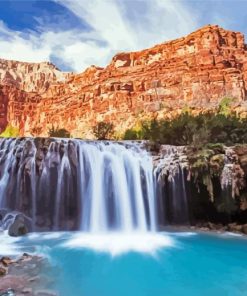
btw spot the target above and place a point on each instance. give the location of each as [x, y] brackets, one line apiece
[196, 71]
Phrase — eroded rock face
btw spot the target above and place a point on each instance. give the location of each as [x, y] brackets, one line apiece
[195, 71]
[205, 184]
[30, 77]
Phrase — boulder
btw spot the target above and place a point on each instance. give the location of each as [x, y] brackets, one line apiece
[211, 226]
[8, 292]
[244, 228]
[3, 271]
[6, 261]
[234, 227]
[19, 226]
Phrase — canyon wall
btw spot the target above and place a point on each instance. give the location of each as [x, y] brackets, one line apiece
[195, 71]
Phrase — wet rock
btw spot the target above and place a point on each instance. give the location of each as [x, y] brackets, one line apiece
[15, 222]
[211, 225]
[19, 227]
[17, 283]
[234, 227]
[220, 227]
[8, 292]
[215, 227]
[20, 277]
[27, 291]
[34, 279]
[45, 293]
[6, 261]
[244, 228]
[3, 271]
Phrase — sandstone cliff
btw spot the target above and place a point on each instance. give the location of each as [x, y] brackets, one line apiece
[195, 71]
[30, 77]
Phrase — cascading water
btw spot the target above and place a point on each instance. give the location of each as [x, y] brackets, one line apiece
[102, 187]
[170, 172]
[73, 184]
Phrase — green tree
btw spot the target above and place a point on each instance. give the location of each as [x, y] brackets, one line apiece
[225, 106]
[187, 129]
[59, 133]
[130, 134]
[103, 130]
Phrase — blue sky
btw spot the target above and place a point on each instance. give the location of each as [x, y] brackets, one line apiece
[75, 34]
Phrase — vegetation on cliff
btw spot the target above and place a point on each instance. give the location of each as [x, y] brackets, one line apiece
[103, 130]
[10, 132]
[214, 156]
[222, 126]
[59, 133]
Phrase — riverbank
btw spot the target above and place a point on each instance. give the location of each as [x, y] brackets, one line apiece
[24, 276]
[209, 227]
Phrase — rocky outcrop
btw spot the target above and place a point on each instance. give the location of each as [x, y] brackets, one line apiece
[16, 223]
[195, 71]
[202, 184]
[30, 77]
[24, 276]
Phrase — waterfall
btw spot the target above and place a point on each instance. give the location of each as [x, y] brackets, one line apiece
[70, 184]
[170, 172]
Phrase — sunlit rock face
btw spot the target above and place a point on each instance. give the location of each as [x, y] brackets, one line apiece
[195, 71]
[30, 77]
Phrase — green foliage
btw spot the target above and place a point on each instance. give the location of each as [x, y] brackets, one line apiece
[205, 136]
[196, 131]
[59, 133]
[10, 132]
[131, 134]
[103, 130]
[217, 148]
[224, 106]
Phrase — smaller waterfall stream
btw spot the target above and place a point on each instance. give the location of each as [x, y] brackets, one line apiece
[171, 188]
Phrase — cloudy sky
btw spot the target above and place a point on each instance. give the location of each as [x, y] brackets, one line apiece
[75, 34]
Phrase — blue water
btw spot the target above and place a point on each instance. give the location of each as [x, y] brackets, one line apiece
[186, 264]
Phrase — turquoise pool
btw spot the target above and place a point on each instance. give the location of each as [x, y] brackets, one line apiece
[172, 264]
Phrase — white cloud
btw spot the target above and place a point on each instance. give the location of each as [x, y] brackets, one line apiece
[115, 26]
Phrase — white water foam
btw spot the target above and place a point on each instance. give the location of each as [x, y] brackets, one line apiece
[46, 235]
[120, 243]
[183, 234]
[8, 245]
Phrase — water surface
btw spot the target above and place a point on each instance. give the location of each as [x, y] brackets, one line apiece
[138, 264]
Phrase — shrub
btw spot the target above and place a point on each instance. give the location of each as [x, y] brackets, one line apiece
[59, 133]
[224, 106]
[103, 130]
[130, 134]
[10, 132]
[196, 131]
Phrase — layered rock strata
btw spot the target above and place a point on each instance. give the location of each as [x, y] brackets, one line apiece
[195, 71]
